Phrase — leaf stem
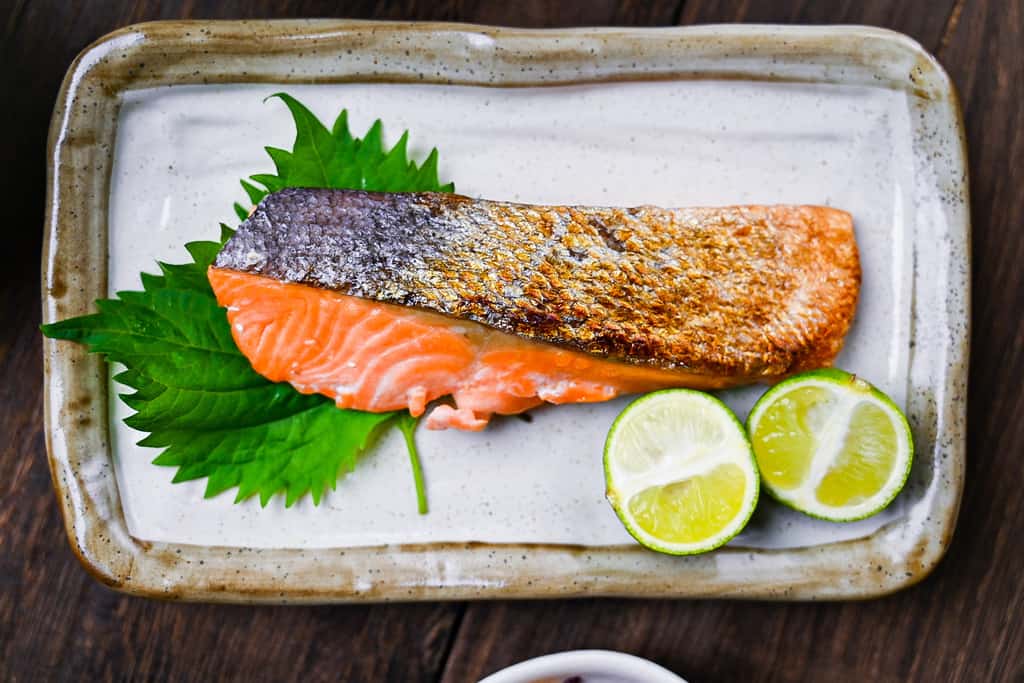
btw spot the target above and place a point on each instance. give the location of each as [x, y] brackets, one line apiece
[407, 423]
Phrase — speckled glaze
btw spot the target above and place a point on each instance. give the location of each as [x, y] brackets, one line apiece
[899, 552]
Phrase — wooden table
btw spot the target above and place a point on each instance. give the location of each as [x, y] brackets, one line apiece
[962, 623]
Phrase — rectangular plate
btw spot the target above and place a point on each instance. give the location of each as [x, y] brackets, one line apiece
[858, 118]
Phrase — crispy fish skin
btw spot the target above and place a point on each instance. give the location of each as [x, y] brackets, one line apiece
[747, 291]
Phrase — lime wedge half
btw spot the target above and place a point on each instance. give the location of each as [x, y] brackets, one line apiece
[830, 445]
[680, 472]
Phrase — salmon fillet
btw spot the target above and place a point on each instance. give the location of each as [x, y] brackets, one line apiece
[388, 301]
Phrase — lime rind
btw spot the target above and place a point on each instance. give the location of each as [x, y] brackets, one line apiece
[746, 462]
[845, 383]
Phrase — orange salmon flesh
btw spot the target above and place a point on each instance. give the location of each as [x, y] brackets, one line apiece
[379, 357]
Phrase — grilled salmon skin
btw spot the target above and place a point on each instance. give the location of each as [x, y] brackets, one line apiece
[388, 301]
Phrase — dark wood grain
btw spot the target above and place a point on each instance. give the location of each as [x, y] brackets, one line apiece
[961, 624]
[923, 21]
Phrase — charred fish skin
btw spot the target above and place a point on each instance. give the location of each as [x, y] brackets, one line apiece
[755, 291]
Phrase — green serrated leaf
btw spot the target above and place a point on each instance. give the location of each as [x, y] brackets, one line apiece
[282, 160]
[255, 194]
[302, 452]
[203, 253]
[195, 395]
[150, 281]
[182, 277]
[335, 159]
[271, 182]
[340, 128]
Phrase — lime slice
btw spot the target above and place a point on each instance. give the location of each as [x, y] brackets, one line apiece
[680, 472]
[830, 445]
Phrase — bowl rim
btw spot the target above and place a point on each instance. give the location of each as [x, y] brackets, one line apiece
[583, 663]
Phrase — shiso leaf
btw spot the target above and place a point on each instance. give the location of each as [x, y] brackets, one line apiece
[193, 391]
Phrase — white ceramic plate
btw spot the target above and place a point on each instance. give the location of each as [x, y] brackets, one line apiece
[855, 118]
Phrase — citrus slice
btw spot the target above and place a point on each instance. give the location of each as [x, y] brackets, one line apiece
[680, 472]
[830, 445]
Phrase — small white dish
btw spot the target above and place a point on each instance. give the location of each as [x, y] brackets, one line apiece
[590, 666]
